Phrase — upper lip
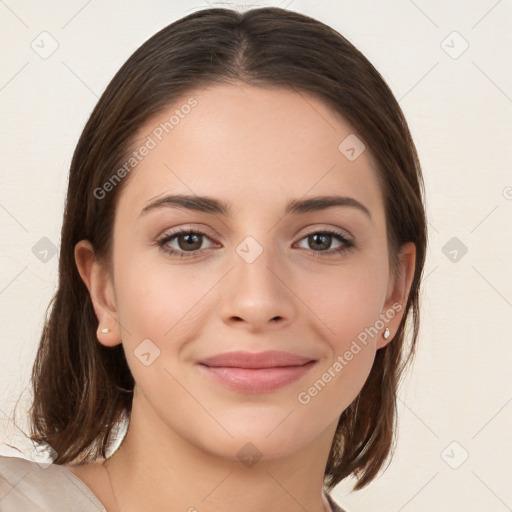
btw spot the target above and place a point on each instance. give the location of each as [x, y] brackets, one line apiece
[267, 359]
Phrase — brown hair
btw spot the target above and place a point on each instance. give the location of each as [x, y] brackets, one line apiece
[82, 390]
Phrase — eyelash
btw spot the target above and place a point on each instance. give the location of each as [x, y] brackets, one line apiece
[347, 246]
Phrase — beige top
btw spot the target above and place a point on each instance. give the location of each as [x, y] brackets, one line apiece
[26, 486]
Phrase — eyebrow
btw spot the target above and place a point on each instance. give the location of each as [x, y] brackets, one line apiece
[211, 205]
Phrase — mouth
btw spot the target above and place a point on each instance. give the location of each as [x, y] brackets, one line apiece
[256, 372]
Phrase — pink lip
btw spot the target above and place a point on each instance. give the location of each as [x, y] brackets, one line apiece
[256, 372]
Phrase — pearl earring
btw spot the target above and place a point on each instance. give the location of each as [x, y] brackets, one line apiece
[386, 334]
[105, 330]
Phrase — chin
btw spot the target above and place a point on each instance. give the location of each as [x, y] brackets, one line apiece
[276, 437]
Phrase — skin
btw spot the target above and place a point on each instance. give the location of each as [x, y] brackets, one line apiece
[256, 149]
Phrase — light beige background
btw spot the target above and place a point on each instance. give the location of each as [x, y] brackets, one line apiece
[457, 401]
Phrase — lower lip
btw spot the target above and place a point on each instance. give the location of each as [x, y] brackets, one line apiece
[257, 380]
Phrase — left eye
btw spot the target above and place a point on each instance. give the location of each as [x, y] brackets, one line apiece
[322, 241]
[188, 241]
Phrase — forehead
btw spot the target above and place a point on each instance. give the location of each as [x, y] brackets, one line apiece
[249, 146]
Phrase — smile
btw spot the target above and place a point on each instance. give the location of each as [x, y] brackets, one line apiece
[256, 373]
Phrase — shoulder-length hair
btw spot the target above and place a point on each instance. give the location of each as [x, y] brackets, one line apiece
[83, 390]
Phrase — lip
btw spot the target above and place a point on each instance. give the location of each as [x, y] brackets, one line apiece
[252, 372]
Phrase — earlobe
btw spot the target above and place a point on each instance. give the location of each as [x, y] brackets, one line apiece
[398, 293]
[98, 281]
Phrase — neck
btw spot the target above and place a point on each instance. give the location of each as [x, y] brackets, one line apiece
[157, 469]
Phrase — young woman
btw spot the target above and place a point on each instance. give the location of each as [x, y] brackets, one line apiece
[242, 250]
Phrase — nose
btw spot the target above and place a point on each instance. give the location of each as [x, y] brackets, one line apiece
[257, 296]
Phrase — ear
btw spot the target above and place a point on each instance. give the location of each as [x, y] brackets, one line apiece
[101, 289]
[398, 291]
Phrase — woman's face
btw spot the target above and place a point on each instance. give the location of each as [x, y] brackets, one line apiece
[254, 274]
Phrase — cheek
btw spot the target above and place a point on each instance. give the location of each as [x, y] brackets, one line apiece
[336, 383]
[158, 307]
[347, 300]
[348, 303]
[157, 300]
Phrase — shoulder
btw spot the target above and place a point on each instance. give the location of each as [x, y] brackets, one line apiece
[42, 487]
[335, 507]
